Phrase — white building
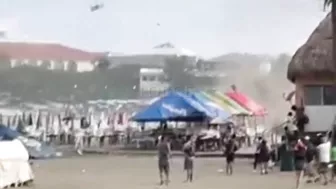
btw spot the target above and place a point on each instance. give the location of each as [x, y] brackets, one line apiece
[50, 56]
[152, 82]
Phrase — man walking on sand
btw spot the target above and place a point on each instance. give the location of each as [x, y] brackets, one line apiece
[230, 150]
[324, 158]
[164, 155]
[189, 155]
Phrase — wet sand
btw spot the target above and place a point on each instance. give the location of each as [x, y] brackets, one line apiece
[100, 172]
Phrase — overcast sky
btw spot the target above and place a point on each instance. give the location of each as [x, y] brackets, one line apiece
[207, 27]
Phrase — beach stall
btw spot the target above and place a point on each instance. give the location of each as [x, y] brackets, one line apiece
[313, 73]
[15, 168]
[221, 114]
[222, 103]
[238, 113]
[245, 101]
[175, 106]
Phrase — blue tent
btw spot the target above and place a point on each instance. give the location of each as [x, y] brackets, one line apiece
[175, 106]
[35, 148]
[7, 133]
[220, 113]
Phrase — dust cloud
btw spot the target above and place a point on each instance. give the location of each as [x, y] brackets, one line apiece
[265, 89]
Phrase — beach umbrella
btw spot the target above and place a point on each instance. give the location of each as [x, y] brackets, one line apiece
[47, 120]
[1, 119]
[30, 119]
[72, 124]
[20, 126]
[59, 124]
[9, 121]
[13, 124]
[48, 125]
[24, 118]
[38, 121]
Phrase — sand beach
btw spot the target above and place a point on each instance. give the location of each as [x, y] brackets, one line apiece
[103, 171]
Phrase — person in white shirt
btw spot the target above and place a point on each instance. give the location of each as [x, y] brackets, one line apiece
[324, 158]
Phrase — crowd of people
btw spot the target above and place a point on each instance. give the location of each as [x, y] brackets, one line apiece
[311, 159]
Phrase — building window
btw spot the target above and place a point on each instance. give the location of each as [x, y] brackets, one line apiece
[329, 95]
[45, 64]
[162, 78]
[144, 78]
[320, 95]
[151, 78]
[72, 66]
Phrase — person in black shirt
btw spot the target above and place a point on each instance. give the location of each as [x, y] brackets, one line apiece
[310, 156]
[264, 156]
[230, 149]
[256, 155]
[301, 119]
[299, 159]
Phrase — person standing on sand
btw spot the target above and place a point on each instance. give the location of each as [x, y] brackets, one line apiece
[324, 158]
[164, 154]
[264, 156]
[310, 156]
[189, 155]
[256, 155]
[230, 150]
[299, 158]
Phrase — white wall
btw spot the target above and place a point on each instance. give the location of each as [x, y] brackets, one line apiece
[85, 66]
[82, 66]
[320, 118]
[155, 85]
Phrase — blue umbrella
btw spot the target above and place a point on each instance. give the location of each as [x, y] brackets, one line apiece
[175, 106]
[220, 113]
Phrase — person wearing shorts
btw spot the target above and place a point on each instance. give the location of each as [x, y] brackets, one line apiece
[324, 158]
[189, 155]
[299, 159]
[310, 156]
[163, 162]
[230, 148]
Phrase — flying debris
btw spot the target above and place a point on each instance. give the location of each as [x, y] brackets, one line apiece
[3, 34]
[96, 7]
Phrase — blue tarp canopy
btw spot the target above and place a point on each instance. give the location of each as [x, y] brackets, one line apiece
[7, 133]
[35, 148]
[214, 108]
[175, 106]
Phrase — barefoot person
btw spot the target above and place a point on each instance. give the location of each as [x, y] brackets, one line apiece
[299, 158]
[256, 155]
[164, 155]
[230, 149]
[264, 156]
[324, 158]
[189, 155]
[310, 156]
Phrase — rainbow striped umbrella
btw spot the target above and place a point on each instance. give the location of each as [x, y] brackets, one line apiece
[221, 103]
[231, 102]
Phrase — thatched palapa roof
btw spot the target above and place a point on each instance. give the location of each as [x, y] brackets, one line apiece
[314, 58]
